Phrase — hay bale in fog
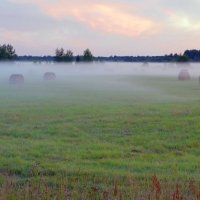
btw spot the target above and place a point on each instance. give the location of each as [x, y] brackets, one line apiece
[184, 75]
[16, 79]
[49, 76]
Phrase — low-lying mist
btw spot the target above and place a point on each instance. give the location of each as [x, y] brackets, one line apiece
[119, 82]
[36, 70]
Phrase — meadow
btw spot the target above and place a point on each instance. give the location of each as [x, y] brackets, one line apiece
[100, 136]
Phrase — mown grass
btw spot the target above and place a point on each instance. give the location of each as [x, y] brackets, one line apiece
[94, 131]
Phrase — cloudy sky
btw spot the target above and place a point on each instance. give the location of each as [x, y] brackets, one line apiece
[114, 27]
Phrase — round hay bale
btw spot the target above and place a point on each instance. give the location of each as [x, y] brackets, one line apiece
[16, 79]
[184, 75]
[49, 76]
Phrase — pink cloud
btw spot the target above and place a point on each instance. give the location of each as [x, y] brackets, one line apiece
[104, 17]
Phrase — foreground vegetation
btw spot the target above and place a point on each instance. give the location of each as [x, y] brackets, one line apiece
[126, 188]
[121, 137]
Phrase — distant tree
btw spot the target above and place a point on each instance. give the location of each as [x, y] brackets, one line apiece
[182, 58]
[11, 51]
[61, 56]
[78, 58]
[68, 57]
[7, 52]
[87, 56]
[3, 55]
[60, 52]
[193, 55]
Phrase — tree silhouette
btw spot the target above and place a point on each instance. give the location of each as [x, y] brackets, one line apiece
[78, 58]
[7, 52]
[68, 56]
[182, 58]
[87, 56]
[193, 55]
[61, 56]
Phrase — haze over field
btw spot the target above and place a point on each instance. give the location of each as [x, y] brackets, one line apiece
[104, 81]
[72, 69]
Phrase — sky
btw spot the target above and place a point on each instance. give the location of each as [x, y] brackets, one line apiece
[114, 27]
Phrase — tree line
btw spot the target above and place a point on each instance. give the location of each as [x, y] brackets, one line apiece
[7, 53]
[62, 56]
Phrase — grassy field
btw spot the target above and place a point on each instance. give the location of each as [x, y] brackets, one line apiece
[99, 133]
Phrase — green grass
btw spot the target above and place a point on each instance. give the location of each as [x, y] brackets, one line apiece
[109, 126]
